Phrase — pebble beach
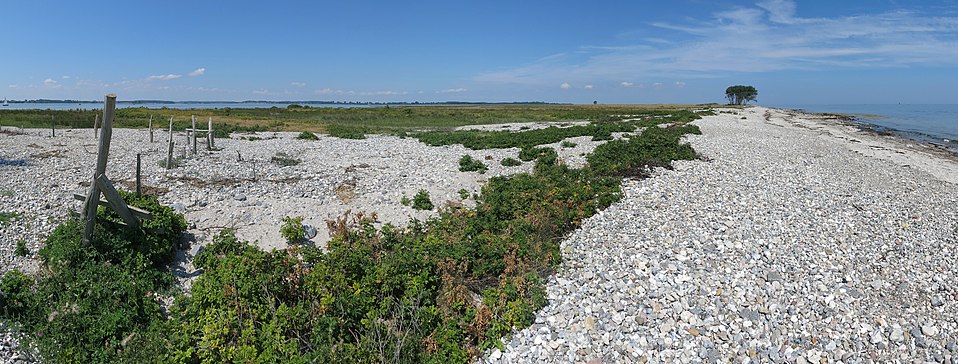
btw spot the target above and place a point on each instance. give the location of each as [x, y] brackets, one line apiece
[796, 238]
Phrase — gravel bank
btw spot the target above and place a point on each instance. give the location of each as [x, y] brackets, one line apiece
[787, 246]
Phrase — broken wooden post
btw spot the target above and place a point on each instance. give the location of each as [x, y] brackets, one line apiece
[53, 128]
[150, 125]
[138, 189]
[95, 126]
[169, 155]
[103, 153]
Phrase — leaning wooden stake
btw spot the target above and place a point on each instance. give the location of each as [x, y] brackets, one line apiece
[169, 155]
[103, 153]
[53, 128]
[151, 128]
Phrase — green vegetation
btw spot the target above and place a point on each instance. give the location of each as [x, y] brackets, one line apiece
[8, 216]
[405, 201]
[567, 144]
[98, 302]
[463, 194]
[175, 162]
[434, 291]
[306, 135]
[284, 160]
[292, 229]
[468, 164]
[421, 201]
[741, 95]
[510, 162]
[21, 250]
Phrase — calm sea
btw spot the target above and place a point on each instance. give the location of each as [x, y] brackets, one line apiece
[937, 123]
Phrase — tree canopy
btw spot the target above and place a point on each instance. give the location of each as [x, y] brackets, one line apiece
[741, 95]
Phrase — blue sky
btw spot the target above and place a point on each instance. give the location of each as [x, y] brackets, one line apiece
[873, 51]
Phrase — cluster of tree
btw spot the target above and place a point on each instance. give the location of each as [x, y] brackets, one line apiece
[741, 95]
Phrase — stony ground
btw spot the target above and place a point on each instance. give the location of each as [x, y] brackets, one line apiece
[785, 247]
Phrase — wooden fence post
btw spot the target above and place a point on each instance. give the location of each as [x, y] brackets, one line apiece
[151, 128]
[96, 120]
[209, 135]
[103, 153]
[194, 134]
[53, 128]
[169, 155]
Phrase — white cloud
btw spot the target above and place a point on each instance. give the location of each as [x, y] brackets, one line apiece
[51, 83]
[626, 84]
[298, 84]
[657, 85]
[261, 91]
[768, 36]
[565, 86]
[198, 72]
[164, 77]
[452, 90]
[329, 91]
[679, 84]
[588, 87]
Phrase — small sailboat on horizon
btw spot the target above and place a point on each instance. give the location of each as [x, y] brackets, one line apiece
[5, 103]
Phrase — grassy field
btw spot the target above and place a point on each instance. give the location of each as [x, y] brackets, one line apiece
[378, 120]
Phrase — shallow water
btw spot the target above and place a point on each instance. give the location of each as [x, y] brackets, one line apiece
[936, 123]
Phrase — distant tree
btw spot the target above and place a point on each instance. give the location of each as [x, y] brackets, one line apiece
[741, 95]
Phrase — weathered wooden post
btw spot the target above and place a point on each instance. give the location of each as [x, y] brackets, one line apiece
[194, 134]
[53, 128]
[209, 135]
[103, 153]
[169, 154]
[138, 189]
[151, 128]
[96, 119]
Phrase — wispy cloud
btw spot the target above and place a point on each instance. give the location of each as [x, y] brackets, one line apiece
[51, 83]
[298, 84]
[768, 36]
[679, 84]
[198, 72]
[164, 77]
[626, 84]
[588, 87]
[565, 86]
[452, 91]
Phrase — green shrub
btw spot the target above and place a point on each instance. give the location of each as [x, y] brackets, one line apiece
[568, 144]
[602, 135]
[463, 193]
[284, 160]
[90, 298]
[421, 201]
[307, 135]
[21, 250]
[405, 201]
[655, 147]
[510, 162]
[346, 131]
[528, 154]
[468, 164]
[292, 229]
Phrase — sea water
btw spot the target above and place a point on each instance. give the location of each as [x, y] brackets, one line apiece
[933, 123]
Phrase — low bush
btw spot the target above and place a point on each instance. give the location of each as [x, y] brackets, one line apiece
[568, 144]
[307, 135]
[8, 216]
[346, 131]
[95, 302]
[468, 164]
[510, 162]
[421, 201]
[292, 229]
